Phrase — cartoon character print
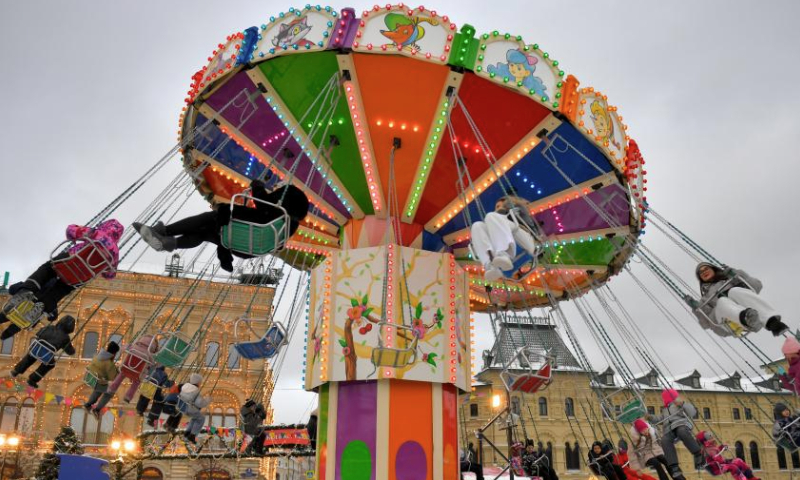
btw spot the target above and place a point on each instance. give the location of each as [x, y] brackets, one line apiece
[293, 33]
[603, 124]
[521, 68]
[405, 31]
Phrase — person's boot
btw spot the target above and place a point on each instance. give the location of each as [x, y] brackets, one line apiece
[748, 317]
[699, 462]
[776, 326]
[150, 236]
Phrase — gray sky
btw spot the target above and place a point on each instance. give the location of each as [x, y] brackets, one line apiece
[91, 93]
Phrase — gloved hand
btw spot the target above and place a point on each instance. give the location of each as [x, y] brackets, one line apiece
[728, 272]
[781, 371]
[693, 304]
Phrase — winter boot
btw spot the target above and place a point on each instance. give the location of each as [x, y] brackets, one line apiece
[32, 383]
[748, 317]
[502, 261]
[776, 326]
[149, 236]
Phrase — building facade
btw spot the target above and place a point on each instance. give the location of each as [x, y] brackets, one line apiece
[121, 310]
[566, 416]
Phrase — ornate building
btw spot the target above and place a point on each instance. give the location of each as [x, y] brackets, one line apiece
[566, 417]
[119, 310]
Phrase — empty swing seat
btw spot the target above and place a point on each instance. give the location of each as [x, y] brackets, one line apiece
[78, 268]
[174, 351]
[396, 357]
[632, 404]
[23, 310]
[528, 371]
[253, 238]
[632, 410]
[42, 350]
[531, 383]
[266, 347]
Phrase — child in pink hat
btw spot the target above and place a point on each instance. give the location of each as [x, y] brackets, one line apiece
[676, 421]
[791, 380]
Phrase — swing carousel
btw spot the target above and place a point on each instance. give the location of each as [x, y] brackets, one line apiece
[404, 131]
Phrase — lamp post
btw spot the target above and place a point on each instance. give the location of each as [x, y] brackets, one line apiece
[8, 443]
[121, 447]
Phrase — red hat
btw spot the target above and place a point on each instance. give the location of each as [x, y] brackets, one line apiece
[668, 396]
[640, 425]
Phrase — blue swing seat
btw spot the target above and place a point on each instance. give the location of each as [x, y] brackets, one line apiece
[42, 351]
[266, 347]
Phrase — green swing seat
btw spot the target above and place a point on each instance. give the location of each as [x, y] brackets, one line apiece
[174, 351]
[254, 238]
[632, 407]
[632, 410]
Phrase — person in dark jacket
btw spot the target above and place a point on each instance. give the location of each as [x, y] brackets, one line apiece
[58, 336]
[468, 461]
[156, 375]
[190, 232]
[311, 427]
[253, 415]
[536, 462]
[601, 462]
[170, 407]
[786, 429]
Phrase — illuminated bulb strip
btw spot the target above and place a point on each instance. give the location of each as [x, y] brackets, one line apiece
[388, 339]
[326, 320]
[308, 248]
[589, 94]
[576, 192]
[317, 223]
[472, 344]
[205, 76]
[451, 332]
[444, 24]
[438, 127]
[485, 180]
[306, 145]
[563, 239]
[364, 139]
[255, 150]
[265, 49]
[309, 235]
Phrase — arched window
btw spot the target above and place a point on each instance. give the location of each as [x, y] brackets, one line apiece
[549, 453]
[27, 415]
[212, 354]
[90, 344]
[781, 458]
[88, 429]
[795, 460]
[755, 460]
[7, 347]
[515, 406]
[115, 338]
[573, 456]
[233, 357]
[739, 447]
[569, 407]
[231, 418]
[8, 422]
[216, 417]
[542, 407]
[567, 454]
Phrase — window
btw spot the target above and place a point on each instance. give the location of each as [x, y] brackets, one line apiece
[8, 346]
[739, 448]
[473, 410]
[651, 410]
[776, 385]
[216, 417]
[549, 453]
[212, 354]
[542, 407]
[781, 458]
[569, 407]
[755, 460]
[90, 345]
[573, 456]
[88, 429]
[795, 460]
[706, 413]
[515, 408]
[695, 382]
[115, 338]
[26, 416]
[8, 421]
[609, 379]
[736, 414]
[233, 357]
[230, 419]
[748, 414]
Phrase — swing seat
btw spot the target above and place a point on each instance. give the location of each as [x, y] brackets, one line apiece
[79, 268]
[395, 357]
[266, 347]
[42, 350]
[90, 378]
[174, 351]
[148, 389]
[632, 410]
[537, 371]
[254, 238]
[134, 365]
[182, 406]
[23, 310]
[786, 440]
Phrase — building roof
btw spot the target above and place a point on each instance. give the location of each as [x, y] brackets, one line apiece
[537, 333]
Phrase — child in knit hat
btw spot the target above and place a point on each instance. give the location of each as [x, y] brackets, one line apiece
[646, 450]
[716, 464]
[791, 380]
[676, 420]
[786, 429]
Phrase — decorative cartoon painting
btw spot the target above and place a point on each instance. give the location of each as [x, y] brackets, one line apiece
[524, 67]
[222, 60]
[412, 329]
[602, 124]
[418, 33]
[297, 30]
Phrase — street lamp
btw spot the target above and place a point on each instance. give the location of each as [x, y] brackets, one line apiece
[8, 444]
[120, 448]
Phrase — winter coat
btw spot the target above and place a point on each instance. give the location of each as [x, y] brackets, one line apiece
[104, 368]
[711, 291]
[781, 423]
[107, 233]
[602, 461]
[253, 414]
[673, 417]
[58, 335]
[643, 448]
[191, 395]
[791, 379]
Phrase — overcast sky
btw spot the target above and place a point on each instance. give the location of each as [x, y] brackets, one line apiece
[91, 92]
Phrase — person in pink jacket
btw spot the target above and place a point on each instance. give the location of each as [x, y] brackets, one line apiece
[791, 379]
[46, 289]
[138, 357]
[716, 464]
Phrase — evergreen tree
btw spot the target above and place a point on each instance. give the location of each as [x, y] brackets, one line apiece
[65, 442]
